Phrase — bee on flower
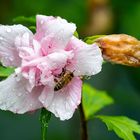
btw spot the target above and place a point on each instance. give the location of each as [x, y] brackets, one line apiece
[48, 66]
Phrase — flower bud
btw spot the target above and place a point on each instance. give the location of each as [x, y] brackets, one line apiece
[121, 49]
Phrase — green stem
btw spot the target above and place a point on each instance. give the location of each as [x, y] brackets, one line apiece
[44, 132]
[44, 119]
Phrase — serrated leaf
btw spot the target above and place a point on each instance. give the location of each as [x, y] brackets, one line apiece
[94, 100]
[6, 71]
[44, 119]
[92, 39]
[123, 126]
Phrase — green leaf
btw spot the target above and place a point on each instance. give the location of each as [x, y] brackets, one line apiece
[5, 71]
[94, 100]
[27, 21]
[32, 28]
[44, 119]
[76, 34]
[92, 39]
[122, 126]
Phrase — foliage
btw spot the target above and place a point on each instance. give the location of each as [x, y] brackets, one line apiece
[5, 71]
[76, 34]
[92, 39]
[94, 100]
[25, 20]
[122, 126]
[30, 22]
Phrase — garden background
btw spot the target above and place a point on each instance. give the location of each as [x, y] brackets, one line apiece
[121, 82]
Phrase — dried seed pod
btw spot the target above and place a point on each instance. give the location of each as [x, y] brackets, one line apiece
[121, 49]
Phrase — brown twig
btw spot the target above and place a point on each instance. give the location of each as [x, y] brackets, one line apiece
[84, 134]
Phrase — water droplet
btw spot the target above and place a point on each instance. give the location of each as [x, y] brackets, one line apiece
[43, 63]
[17, 78]
[43, 101]
[13, 89]
[11, 58]
[15, 110]
[1, 38]
[6, 57]
[42, 22]
[26, 92]
[12, 102]
[32, 77]
[8, 30]
[19, 94]
[78, 71]
[68, 106]
[79, 102]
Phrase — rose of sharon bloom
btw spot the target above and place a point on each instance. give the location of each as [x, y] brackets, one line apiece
[39, 60]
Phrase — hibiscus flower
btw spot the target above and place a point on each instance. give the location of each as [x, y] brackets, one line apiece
[40, 61]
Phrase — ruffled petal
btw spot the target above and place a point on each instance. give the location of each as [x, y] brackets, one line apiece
[53, 61]
[15, 97]
[9, 55]
[57, 29]
[63, 102]
[87, 58]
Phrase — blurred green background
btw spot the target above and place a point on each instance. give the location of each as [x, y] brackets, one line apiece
[121, 82]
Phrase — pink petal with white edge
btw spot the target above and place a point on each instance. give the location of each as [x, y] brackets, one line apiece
[87, 58]
[59, 29]
[8, 50]
[41, 23]
[52, 61]
[15, 97]
[63, 102]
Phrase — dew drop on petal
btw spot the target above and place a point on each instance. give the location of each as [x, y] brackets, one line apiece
[11, 58]
[67, 105]
[79, 102]
[1, 38]
[15, 110]
[19, 94]
[8, 30]
[26, 92]
[13, 90]
[53, 104]
[17, 79]
[43, 101]
[42, 22]
[6, 57]
[32, 77]
[12, 102]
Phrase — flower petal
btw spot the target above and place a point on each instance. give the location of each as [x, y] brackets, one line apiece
[15, 97]
[59, 30]
[8, 50]
[63, 102]
[53, 61]
[87, 58]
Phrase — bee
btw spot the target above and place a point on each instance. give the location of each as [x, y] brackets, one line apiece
[64, 79]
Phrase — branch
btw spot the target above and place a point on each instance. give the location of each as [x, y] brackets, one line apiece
[84, 134]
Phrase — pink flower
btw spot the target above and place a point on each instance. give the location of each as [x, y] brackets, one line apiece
[40, 62]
